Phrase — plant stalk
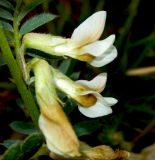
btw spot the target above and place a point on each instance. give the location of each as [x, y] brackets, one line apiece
[17, 76]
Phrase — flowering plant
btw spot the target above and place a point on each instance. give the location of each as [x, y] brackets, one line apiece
[82, 45]
[51, 121]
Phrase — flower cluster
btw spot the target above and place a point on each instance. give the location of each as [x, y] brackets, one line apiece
[85, 46]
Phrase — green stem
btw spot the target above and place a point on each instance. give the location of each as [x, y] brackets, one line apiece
[149, 41]
[125, 29]
[17, 76]
[141, 57]
[17, 35]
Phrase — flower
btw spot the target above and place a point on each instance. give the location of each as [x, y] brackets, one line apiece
[58, 132]
[102, 152]
[86, 93]
[83, 44]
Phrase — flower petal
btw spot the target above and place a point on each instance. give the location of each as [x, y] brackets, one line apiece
[60, 137]
[100, 108]
[46, 128]
[97, 84]
[99, 47]
[109, 101]
[108, 56]
[52, 148]
[90, 30]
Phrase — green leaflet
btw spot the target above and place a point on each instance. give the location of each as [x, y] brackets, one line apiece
[7, 26]
[13, 153]
[36, 22]
[64, 66]
[5, 14]
[9, 142]
[23, 127]
[25, 149]
[6, 4]
[29, 8]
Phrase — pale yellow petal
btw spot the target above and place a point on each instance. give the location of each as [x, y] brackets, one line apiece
[90, 30]
[59, 137]
[108, 56]
[97, 84]
[99, 47]
[102, 106]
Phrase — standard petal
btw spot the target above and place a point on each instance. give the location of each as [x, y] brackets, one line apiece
[97, 84]
[99, 47]
[108, 56]
[90, 30]
[101, 108]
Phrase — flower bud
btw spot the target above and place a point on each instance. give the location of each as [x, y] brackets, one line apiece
[58, 132]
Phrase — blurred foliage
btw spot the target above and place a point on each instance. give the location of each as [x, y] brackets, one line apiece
[131, 126]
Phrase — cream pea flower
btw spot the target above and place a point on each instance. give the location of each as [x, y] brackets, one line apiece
[59, 135]
[86, 93]
[83, 44]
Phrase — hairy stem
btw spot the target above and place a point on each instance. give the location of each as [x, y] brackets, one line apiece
[17, 35]
[17, 76]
